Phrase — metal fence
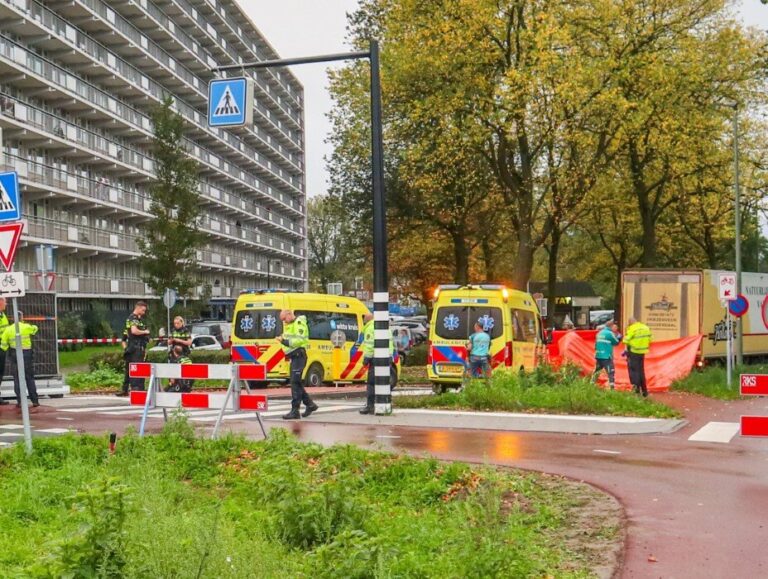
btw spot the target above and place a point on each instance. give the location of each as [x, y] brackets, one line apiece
[40, 309]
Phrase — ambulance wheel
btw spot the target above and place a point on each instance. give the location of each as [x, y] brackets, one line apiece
[438, 388]
[257, 384]
[314, 376]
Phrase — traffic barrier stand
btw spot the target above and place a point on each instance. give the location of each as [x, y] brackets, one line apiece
[237, 374]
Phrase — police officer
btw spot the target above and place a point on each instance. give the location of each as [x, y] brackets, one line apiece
[294, 340]
[3, 326]
[638, 342]
[367, 349]
[369, 337]
[8, 345]
[180, 336]
[137, 338]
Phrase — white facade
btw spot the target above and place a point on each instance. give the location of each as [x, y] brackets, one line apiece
[78, 80]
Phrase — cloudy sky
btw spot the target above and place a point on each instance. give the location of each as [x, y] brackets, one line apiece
[310, 27]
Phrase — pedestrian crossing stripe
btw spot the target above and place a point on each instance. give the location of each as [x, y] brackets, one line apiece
[227, 105]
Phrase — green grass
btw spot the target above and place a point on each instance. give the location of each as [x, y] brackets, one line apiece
[80, 358]
[711, 381]
[543, 390]
[103, 378]
[179, 506]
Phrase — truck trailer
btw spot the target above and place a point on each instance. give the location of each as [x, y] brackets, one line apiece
[678, 303]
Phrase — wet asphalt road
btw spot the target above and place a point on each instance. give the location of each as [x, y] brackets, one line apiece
[694, 509]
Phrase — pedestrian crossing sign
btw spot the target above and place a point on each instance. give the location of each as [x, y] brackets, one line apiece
[10, 209]
[230, 102]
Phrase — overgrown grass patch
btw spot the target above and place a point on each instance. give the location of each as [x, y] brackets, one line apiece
[179, 506]
[712, 381]
[81, 358]
[101, 378]
[543, 390]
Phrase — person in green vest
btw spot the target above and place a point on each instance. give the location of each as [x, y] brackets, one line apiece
[295, 340]
[367, 347]
[3, 326]
[8, 345]
[638, 342]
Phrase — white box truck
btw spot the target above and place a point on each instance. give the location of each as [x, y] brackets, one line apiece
[677, 303]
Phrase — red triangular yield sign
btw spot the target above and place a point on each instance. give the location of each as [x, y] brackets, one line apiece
[10, 234]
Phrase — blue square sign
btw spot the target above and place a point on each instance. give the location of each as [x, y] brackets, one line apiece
[10, 209]
[230, 102]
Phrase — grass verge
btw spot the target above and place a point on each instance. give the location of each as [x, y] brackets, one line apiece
[711, 381]
[80, 358]
[543, 390]
[179, 506]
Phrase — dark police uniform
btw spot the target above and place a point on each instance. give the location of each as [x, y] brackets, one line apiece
[181, 334]
[135, 349]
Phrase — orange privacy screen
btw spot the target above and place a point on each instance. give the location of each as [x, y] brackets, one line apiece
[665, 363]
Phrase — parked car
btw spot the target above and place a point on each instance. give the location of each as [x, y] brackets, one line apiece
[418, 330]
[199, 342]
[222, 331]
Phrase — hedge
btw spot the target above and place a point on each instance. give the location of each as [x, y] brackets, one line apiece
[116, 361]
[417, 356]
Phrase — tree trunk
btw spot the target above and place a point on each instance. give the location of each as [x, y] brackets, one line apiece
[461, 258]
[649, 258]
[617, 297]
[554, 250]
[524, 261]
[489, 259]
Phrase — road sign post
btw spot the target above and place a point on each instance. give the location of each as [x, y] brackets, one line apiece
[169, 300]
[12, 284]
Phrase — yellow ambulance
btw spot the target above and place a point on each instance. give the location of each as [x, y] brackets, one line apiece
[257, 324]
[511, 317]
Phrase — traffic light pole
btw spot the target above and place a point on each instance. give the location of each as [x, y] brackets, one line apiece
[381, 354]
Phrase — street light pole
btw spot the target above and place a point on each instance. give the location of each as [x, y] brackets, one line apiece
[381, 354]
[737, 212]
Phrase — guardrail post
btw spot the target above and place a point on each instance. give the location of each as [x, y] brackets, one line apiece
[149, 399]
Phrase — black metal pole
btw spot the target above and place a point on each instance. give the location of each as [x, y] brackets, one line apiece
[381, 353]
[268, 273]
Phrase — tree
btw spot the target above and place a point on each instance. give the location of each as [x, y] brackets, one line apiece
[172, 236]
[331, 243]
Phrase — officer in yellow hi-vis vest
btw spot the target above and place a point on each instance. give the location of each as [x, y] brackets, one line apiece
[3, 326]
[638, 341]
[8, 345]
[295, 339]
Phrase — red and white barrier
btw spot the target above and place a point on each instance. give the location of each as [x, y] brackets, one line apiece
[88, 341]
[232, 400]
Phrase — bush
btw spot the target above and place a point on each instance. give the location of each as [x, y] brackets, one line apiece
[417, 356]
[712, 381]
[201, 357]
[70, 326]
[101, 377]
[112, 360]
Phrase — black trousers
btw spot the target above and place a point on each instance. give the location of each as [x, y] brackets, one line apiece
[607, 365]
[370, 387]
[29, 375]
[133, 354]
[636, 364]
[298, 359]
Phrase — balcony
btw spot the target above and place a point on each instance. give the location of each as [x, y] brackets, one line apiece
[81, 285]
[112, 110]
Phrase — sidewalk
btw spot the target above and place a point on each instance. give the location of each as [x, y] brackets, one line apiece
[507, 421]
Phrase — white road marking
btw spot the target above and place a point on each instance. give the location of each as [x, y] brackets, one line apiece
[53, 430]
[387, 436]
[606, 451]
[85, 409]
[2, 444]
[64, 418]
[12, 426]
[11, 435]
[721, 432]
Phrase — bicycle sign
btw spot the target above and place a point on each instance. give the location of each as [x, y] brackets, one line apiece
[12, 284]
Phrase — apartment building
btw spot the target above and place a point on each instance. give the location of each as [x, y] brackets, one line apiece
[78, 80]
